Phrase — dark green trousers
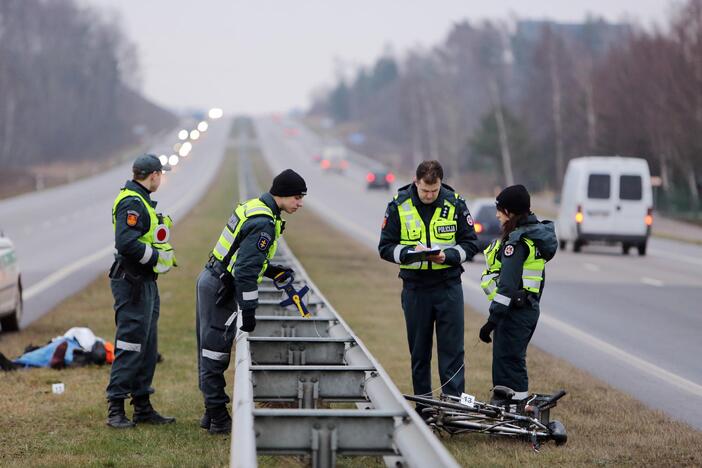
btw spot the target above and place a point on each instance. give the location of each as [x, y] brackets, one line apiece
[136, 339]
[509, 347]
[214, 351]
[424, 309]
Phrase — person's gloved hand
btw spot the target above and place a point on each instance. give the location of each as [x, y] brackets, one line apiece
[485, 331]
[278, 272]
[248, 320]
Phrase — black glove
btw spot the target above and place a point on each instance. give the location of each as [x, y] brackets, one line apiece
[278, 273]
[485, 332]
[248, 320]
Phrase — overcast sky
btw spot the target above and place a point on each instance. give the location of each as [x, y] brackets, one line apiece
[265, 55]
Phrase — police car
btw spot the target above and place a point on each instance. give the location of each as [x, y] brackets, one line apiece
[10, 286]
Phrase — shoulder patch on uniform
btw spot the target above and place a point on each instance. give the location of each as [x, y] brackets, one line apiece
[132, 218]
[509, 251]
[385, 219]
[469, 220]
[264, 241]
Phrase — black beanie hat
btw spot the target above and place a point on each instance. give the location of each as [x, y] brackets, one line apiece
[287, 184]
[514, 199]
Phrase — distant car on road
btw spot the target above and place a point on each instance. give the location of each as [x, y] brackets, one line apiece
[486, 225]
[10, 286]
[380, 179]
[334, 159]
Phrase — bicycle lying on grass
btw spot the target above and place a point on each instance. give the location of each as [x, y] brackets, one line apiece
[527, 419]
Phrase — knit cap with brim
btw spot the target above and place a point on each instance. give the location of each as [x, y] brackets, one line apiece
[288, 184]
[514, 199]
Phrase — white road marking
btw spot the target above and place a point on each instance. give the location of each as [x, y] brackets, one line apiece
[591, 267]
[652, 282]
[622, 355]
[62, 273]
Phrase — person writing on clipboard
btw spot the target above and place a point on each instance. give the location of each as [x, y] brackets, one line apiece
[428, 231]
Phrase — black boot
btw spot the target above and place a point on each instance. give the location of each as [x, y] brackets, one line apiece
[205, 421]
[220, 421]
[145, 413]
[115, 415]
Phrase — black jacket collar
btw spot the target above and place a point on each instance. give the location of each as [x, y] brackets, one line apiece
[141, 190]
[443, 194]
[268, 199]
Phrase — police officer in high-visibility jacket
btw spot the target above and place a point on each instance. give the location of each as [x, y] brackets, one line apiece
[237, 265]
[142, 253]
[429, 214]
[514, 281]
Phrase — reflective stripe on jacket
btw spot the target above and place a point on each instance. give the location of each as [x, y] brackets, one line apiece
[227, 246]
[532, 271]
[442, 229]
[166, 256]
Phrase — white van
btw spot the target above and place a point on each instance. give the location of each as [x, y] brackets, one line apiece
[606, 198]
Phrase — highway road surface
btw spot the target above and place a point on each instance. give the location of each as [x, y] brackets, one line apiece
[63, 235]
[632, 321]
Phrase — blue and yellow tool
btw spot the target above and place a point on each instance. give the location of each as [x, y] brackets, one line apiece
[284, 282]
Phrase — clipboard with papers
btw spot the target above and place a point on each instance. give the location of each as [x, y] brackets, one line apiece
[412, 256]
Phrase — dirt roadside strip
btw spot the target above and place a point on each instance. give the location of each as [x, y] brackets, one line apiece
[42, 429]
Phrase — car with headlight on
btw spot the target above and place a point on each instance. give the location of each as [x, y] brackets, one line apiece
[486, 225]
[10, 286]
[380, 179]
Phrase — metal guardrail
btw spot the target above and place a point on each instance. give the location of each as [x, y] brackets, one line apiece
[308, 364]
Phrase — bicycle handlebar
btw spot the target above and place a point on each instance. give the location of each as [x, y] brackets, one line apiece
[552, 400]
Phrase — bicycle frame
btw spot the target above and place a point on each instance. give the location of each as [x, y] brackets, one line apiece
[528, 420]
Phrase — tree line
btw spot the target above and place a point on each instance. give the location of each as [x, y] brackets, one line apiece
[518, 99]
[68, 85]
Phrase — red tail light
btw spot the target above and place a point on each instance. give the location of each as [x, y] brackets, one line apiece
[325, 163]
[370, 177]
[649, 217]
[579, 215]
[478, 227]
[390, 177]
